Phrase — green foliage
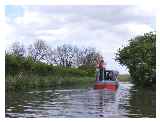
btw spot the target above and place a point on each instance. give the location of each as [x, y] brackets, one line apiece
[90, 69]
[15, 65]
[140, 58]
[25, 73]
[32, 81]
[34, 66]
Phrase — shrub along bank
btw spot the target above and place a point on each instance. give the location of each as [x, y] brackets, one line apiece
[24, 73]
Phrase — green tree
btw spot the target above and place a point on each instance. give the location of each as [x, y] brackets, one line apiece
[140, 58]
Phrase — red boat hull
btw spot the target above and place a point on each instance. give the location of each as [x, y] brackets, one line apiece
[110, 86]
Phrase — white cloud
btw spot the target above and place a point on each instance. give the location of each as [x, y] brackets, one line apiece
[138, 28]
[105, 27]
[133, 28]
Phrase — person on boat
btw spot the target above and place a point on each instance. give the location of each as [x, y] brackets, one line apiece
[98, 66]
[110, 75]
[102, 69]
[113, 75]
[97, 69]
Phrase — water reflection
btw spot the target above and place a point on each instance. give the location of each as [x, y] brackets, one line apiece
[143, 103]
[125, 102]
[106, 103]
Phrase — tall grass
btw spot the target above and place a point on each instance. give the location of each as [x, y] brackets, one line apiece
[30, 81]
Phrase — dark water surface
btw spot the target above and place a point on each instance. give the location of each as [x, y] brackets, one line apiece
[127, 101]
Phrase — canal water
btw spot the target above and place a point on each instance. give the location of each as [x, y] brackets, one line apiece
[126, 101]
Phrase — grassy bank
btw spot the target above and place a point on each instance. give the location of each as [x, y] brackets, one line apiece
[27, 82]
[24, 73]
[124, 77]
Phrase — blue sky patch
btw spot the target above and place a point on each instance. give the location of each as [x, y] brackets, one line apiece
[14, 11]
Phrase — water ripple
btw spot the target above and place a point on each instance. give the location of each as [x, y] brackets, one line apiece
[80, 103]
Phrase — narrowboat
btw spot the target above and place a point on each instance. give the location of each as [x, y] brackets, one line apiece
[108, 80]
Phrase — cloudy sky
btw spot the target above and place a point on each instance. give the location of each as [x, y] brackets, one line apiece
[106, 28]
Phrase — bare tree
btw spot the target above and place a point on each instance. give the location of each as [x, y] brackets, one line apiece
[65, 55]
[39, 50]
[68, 55]
[51, 57]
[77, 55]
[17, 49]
[88, 56]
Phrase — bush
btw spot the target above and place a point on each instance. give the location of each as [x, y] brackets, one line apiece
[13, 64]
[17, 65]
[90, 69]
[140, 58]
[24, 73]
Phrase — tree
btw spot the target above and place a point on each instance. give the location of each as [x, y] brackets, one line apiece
[89, 56]
[39, 50]
[72, 56]
[140, 58]
[51, 57]
[65, 55]
[17, 49]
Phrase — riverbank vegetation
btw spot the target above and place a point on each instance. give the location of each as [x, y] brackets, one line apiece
[139, 56]
[124, 77]
[40, 66]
